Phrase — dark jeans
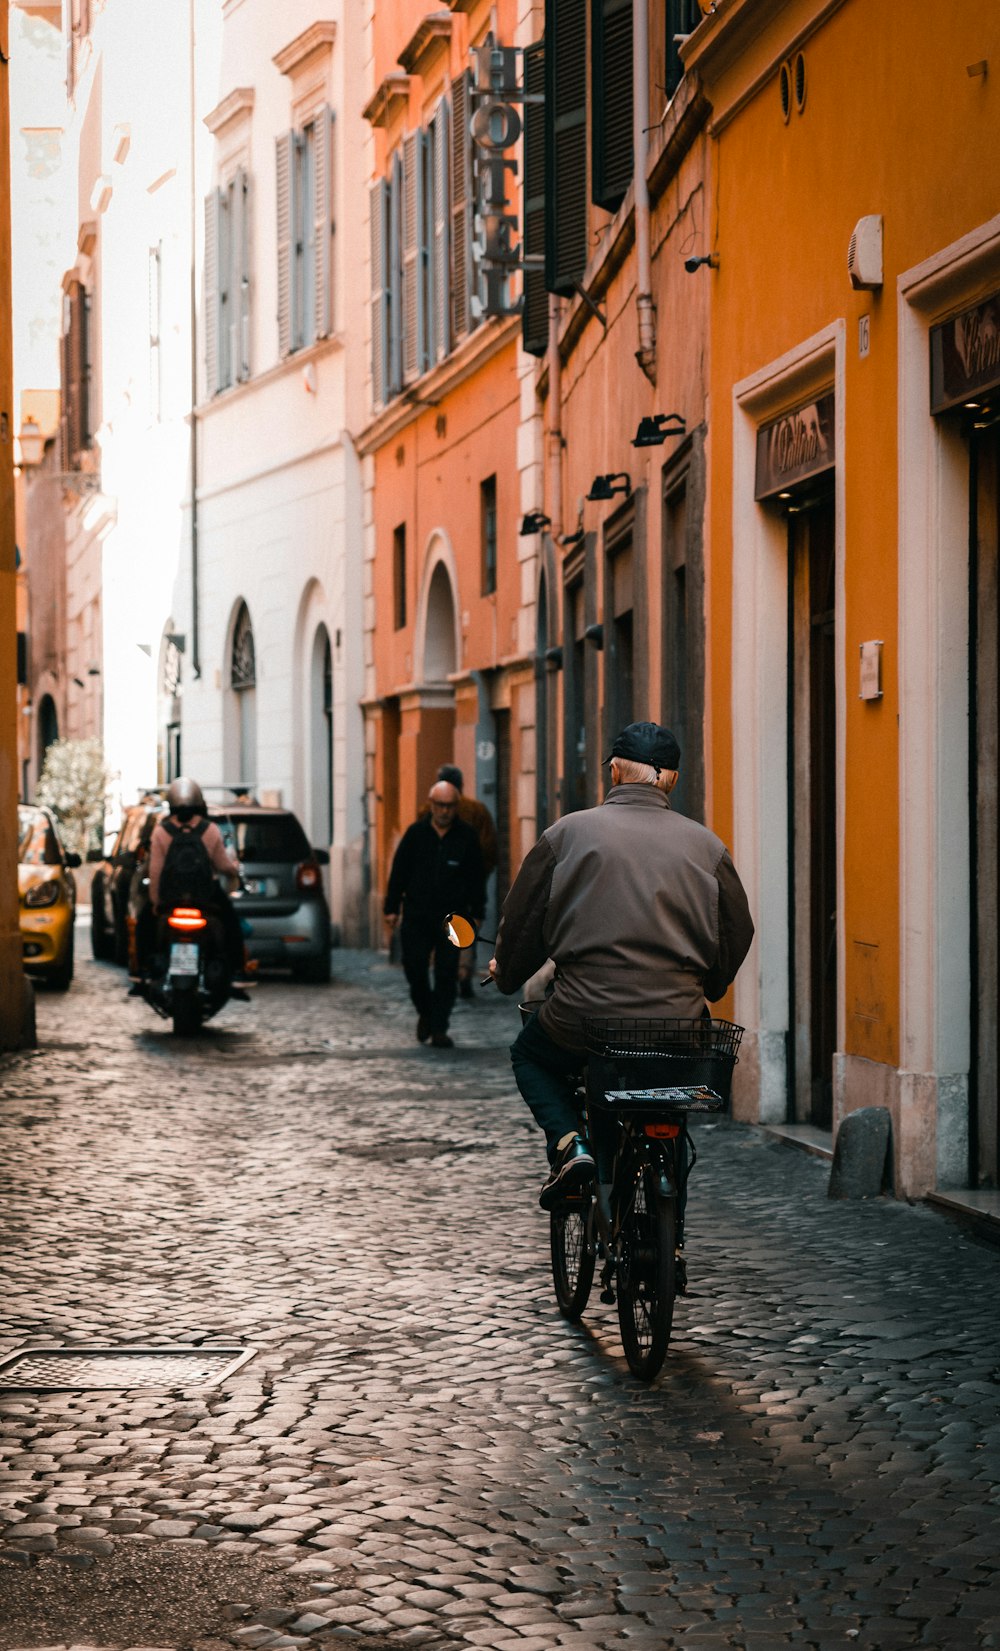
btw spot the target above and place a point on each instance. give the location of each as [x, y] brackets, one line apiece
[548, 1077]
[418, 943]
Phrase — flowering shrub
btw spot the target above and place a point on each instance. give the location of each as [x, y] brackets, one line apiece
[74, 783]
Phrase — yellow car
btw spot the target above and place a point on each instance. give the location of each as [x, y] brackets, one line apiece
[48, 897]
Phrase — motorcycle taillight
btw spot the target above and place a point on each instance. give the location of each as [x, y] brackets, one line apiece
[308, 876]
[186, 918]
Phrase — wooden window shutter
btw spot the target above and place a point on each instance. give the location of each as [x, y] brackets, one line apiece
[440, 283]
[66, 374]
[396, 277]
[80, 341]
[286, 246]
[379, 209]
[323, 208]
[241, 276]
[611, 79]
[566, 144]
[224, 284]
[425, 238]
[411, 256]
[535, 312]
[461, 205]
[212, 293]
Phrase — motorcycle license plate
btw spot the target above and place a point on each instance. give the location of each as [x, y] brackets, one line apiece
[183, 959]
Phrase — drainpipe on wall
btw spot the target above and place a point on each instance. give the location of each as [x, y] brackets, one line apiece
[554, 439]
[645, 310]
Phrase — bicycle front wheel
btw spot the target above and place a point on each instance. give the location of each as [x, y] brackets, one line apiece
[572, 1258]
[647, 1280]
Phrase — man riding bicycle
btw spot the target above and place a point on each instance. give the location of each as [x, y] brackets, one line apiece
[643, 913]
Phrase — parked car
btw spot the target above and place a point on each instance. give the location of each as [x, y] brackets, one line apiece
[286, 919]
[117, 883]
[47, 896]
[282, 902]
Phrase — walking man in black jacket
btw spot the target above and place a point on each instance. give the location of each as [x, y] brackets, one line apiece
[437, 869]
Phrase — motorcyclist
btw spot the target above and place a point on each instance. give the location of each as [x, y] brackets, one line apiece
[187, 809]
[642, 912]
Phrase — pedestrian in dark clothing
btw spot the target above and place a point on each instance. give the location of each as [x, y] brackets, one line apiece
[437, 869]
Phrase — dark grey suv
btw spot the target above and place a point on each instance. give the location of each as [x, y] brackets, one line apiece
[282, 904]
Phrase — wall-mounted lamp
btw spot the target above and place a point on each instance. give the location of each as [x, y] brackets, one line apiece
[594, 634]
[568, 539]
[554, 656]
[709, 258]
[533, 522]
[652, 432]
[31, 442]
[605, 487]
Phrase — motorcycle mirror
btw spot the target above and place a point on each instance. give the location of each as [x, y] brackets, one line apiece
[461, 931]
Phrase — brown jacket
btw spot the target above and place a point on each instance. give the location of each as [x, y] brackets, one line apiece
[641, 909]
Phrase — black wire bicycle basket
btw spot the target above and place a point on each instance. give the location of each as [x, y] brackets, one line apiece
[630, 1052]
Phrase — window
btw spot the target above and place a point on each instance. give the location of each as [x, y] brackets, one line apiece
[565, 143]
[619, 639]
[682, 18]
[611, 79]
[488, 534]
[227, 284]
[399, 576]
[75, 350]
[304, 162]
[422, 300]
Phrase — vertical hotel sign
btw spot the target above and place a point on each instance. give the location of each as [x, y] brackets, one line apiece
[495, 128]
[795, 447]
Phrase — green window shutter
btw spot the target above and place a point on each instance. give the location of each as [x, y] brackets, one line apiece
[461, 206]
[566, 144]
[611, 80]
[440, 283]
[323, 228]
[286, 246]
[241, 276]
[379, 209]
[535, 313]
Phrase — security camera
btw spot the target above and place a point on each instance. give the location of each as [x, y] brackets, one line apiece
[709, 258]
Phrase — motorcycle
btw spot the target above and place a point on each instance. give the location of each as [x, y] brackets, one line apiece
[190, 977]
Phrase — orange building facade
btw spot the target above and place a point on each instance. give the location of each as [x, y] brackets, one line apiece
[449, 584]
[852, 530]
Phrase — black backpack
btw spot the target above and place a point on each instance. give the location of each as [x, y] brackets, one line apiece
[186, 878]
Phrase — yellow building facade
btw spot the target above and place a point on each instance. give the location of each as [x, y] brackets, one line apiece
[851, 561]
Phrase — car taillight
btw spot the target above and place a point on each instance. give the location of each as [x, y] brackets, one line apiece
[308, 876]
[42, 894]
[187, 918]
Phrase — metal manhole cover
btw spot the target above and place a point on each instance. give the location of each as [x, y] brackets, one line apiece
[51, 1368]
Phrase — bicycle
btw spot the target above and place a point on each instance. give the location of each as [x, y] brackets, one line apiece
[644, 1078]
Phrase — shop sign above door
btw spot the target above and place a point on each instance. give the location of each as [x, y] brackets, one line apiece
[965, 355]
[795, 447]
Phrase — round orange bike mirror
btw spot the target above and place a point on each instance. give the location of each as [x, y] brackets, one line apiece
[461, 931]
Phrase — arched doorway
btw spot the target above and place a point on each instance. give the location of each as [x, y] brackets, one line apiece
[48, 727]
[321, 738]
[243, 688]
[440, 654]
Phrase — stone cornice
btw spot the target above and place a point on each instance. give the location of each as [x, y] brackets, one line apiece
[393, 93]
[237, 105]
[466, 359]
[318, 37]
[429, 36]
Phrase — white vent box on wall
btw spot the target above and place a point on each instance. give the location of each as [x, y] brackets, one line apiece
[864, 255]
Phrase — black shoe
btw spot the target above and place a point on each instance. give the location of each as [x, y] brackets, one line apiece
[423, 1030]
[573, 1167]
[465, 987]
[441, 1040]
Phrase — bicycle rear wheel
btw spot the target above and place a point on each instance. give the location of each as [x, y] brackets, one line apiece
[572, 1257]
[647, 1281]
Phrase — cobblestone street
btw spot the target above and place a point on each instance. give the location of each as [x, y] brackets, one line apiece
[434, 1455]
